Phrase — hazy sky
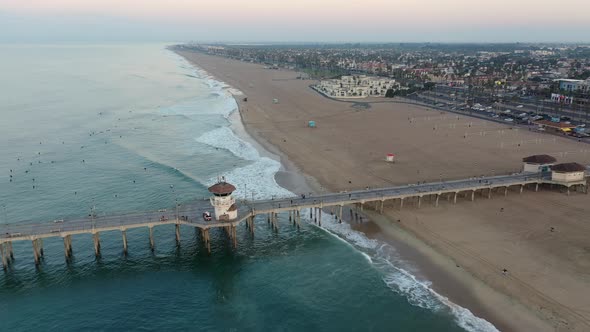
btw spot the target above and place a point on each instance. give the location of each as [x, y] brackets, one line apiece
[294, 20]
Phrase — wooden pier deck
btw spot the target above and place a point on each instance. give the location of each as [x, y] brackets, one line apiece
[36, 232]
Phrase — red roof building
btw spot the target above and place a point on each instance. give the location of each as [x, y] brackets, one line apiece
[222, 189]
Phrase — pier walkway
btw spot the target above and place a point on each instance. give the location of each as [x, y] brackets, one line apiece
[191, 215]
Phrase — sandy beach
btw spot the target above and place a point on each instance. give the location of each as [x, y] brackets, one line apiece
[540, 238]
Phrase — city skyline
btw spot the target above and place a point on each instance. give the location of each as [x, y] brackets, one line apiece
[300, 21]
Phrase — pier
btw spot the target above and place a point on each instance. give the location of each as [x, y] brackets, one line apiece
[191, 215]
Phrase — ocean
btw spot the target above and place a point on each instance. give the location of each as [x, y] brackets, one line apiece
[127, 128]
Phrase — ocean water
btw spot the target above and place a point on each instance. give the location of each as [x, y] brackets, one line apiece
[125, 128]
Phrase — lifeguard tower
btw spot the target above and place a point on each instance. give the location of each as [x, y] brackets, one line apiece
[222, 200]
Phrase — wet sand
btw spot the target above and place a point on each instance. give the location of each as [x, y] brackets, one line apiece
[548, 275]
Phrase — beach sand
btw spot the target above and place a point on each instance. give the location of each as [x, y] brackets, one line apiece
[548, 280]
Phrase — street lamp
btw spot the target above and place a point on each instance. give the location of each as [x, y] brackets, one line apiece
[175, 200]
[5, 217]
[92, 212]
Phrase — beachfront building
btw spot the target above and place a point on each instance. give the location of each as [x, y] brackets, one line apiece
[570, 85]
[555, 127]
[568, 173]
[538, 163]
[222, 200]
[357, 86]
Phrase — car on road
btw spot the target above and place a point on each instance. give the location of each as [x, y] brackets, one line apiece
[520, 106]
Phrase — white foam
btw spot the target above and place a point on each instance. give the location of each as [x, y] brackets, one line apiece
[400, 280]
[224, 138]
[254, 181]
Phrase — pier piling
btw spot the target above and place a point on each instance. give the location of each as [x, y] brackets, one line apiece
[4, 255]
[10, 251]
[177, 231]
[36, 253]
[124, 234]
[96, 238]
[68, 246]
[152, 244]
[206, 240]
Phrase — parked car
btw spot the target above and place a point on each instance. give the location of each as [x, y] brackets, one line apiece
[509, 120]
[207, 216]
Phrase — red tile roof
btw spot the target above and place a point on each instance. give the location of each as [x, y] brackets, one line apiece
[539, 159]
[568, 168]
[222, 188]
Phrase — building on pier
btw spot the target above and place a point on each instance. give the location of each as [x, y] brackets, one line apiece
[568, 173]
[222, 200]
[538, 163]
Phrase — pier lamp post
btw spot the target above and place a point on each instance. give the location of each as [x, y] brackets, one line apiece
[175, 200]
[6, 223]
[92, 213]
[5, 214]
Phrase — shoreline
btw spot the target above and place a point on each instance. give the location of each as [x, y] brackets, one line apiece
[277, 127]
[295, 180]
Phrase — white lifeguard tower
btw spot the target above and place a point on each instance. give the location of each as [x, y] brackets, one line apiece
[222, 200]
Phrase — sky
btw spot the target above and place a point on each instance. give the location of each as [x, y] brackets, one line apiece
[49, 21]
